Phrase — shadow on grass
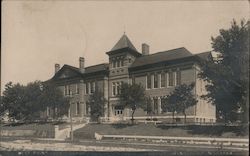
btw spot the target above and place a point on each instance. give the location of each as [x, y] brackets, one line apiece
[211, 130]
[122, 125]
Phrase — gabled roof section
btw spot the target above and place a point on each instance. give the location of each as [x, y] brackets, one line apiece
[68, 71]
[124, 42]
[161, 57]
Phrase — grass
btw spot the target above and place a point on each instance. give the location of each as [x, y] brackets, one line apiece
[88, 131]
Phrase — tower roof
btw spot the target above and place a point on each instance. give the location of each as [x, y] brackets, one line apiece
[124, 42]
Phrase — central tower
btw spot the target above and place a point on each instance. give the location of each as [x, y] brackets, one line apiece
[121, 56]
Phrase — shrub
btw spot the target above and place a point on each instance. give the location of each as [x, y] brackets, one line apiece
[155, 119]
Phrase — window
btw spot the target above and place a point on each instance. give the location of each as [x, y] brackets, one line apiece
[113, 88]
[48, 111]
[162, 101]
[118, 63]
[118, 112]
[88, 109]
[118, 87]
[87, 88]
[155, 80]
[163, 79]
[92, 87]
[114, 63]
[122, 62]
[148, 81]
[178, 77]
[77, 108]
[67, 90]
[171, 79]
[155, 105]
[77, 89]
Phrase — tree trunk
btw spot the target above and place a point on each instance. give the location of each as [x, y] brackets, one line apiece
[185, 120]
[133, 116]
[173, 117]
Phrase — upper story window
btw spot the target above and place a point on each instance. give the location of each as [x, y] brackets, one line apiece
[155, 80]
[178, 77]
[113, 88]
[122, 62]
[148, 81]
[163, 79]
[114, 64]
[92, 87]
[87, 88]
[171, 79]
[116, 88]
[67, 90]
[129, 60]
[118, 63]
[77, 89]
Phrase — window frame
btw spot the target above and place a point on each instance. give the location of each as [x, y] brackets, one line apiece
[171, 79]
[163, 79]
[178, 77]
[113, 88]
[77, 108]
[148, 81]
[155, 80]
[77, 89]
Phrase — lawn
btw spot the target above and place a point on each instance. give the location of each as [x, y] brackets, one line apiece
[88, 131]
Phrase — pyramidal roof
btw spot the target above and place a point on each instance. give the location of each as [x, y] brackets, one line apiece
[124, 42]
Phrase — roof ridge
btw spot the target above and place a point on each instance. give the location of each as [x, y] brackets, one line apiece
[97, 65]
[166, 51]
[87, 66]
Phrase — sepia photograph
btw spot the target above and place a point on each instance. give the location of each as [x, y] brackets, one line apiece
[113, 77]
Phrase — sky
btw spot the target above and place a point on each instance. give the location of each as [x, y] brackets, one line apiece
[38, 34]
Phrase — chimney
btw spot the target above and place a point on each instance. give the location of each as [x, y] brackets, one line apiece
[145, 49]
[81, 64]
[57, 67]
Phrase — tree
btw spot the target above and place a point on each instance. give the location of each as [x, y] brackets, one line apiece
[228, 77]
[52, 97]
[97, 102]
[132, 96]
[13, 100]
[179, 100]
[147, 107]
[26, 102]
[169, 104]
[186, 98]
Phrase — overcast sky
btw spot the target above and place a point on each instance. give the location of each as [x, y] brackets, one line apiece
[38, 34]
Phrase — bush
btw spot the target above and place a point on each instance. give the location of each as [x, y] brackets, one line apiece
[148, 119]
[155, 119]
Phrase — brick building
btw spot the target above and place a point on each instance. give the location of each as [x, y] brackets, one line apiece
[158, 73]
